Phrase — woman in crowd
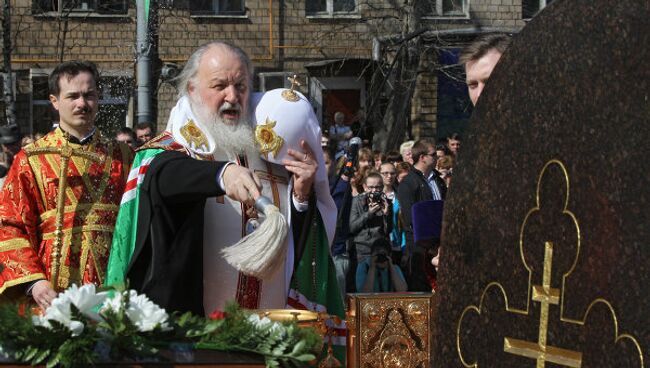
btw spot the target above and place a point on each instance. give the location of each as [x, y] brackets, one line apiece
[403, 169]
[379, 159]
[397, 235]
[445, 166]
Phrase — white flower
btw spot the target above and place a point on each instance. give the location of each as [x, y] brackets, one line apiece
[144, 313]
[264, 323]
[85, 298]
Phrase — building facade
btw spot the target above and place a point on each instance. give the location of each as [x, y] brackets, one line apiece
[328, 44]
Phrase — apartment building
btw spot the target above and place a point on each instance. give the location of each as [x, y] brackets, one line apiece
[344, 52]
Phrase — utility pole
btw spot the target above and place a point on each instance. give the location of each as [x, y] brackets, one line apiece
[8, 93]
[143, 51]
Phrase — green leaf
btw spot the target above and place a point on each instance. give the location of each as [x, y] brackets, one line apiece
[30, 353]
[298, 347]
[41, 357]
[53, 362]
[305, 357]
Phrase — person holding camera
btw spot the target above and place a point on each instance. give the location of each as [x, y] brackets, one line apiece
[370, 216]
[377, 273]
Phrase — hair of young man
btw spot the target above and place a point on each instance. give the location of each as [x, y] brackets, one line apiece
[143, 126]
[420, 148]
[188, 74]
[454, 137]
[126, 130]
[483, 44]
[70, 69]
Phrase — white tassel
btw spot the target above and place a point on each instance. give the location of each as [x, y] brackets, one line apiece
[261, 252]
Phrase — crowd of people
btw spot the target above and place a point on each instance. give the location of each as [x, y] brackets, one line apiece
[194, 189]
[375, 250]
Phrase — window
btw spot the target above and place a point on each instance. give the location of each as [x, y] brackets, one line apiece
[444, 8]
[529, 8]
[330, 7]
[80, 6]
[217, 7]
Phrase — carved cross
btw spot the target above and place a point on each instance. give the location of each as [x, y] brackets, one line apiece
[546, 296]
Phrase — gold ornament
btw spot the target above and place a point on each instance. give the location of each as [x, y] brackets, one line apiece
[267, 139]
[289, 94]
[194, 136]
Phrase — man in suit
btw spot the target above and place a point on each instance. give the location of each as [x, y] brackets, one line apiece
[422, 183]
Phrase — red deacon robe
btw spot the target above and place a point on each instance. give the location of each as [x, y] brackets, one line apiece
[28, 212]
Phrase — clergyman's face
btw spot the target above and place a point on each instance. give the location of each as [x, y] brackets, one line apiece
[478, 72]
[144, 135]
[222, 85]
[77, 102]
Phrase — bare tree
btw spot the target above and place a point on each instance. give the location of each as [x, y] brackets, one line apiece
[10, 103]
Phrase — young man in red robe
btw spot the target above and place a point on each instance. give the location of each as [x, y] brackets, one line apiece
[61, 196]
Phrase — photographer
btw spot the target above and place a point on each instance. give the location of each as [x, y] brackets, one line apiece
[371, 216]
[378, 273]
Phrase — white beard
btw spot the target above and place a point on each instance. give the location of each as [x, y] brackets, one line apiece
[237, 138]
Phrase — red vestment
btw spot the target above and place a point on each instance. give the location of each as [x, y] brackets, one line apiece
[29, 211]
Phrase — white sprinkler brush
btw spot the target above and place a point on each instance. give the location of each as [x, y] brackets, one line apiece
[261, 252]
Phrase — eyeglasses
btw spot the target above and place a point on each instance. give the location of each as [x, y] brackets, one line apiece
[386, 173]
[376, 187]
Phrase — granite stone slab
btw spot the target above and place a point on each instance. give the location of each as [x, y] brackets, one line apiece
[545, 255]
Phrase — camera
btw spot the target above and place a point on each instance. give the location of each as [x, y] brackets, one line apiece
[376, 197]
[381, 258]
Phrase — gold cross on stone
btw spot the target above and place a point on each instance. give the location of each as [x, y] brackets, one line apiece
[546, 296]
[65, 153]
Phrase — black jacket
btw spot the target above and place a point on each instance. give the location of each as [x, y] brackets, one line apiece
[415, 188]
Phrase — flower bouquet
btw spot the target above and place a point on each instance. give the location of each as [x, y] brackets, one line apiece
[83, 327]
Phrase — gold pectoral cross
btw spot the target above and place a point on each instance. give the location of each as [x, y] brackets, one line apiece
[65, 154]
[546, 296]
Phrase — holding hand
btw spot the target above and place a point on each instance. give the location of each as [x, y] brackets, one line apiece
[241, 184]
[43, 293]
[375, 208]
[303, 167]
